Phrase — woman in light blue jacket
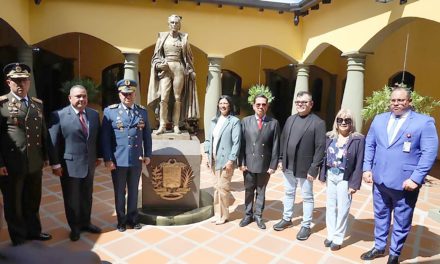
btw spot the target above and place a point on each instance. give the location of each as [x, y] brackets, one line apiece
[223, 146]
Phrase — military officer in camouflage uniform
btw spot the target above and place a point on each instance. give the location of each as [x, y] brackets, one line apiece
[23, 142]
[126, 141]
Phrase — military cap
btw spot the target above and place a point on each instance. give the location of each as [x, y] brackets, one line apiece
[126, 86]
[17, 70]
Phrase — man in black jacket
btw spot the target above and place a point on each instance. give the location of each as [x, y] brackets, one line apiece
[302, 151]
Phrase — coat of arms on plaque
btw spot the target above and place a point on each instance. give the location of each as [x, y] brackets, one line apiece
[171, 179]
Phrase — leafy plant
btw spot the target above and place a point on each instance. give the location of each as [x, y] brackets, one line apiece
[93, 90]
[258, 89]
[379, 103]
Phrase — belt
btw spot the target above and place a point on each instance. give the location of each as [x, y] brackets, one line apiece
[335, 170]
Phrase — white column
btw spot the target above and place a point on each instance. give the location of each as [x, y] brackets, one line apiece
[213, 90]
[25, 56]
[302, 82]
[131, 71]
[353, 97]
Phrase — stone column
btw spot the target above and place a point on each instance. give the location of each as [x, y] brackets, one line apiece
[213, 90]
[302, 82]
[131, 71]
[25, 56]
[353, 96]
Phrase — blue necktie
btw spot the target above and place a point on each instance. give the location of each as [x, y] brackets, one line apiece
[392, 129]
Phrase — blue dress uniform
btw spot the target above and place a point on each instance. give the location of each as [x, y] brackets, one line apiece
[126, 140]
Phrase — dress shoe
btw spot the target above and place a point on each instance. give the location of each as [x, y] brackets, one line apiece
[137, 226]
[260, 222]
[41, 237]
[281, 225]
[327, 243]
[335, 247]
[221, 222]
[304, 233]
[91, 228]
[246, 221]
[74, 236]
[372, 254]
[121, 227]
[393, 259]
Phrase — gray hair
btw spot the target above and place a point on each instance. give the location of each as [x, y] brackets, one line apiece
[174, 16]
[77, 86]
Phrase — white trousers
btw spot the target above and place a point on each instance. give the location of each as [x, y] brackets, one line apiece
[338, 207]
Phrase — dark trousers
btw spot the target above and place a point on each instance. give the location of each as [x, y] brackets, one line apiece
[126, 177]
[255, 188]
[21, 198]
[77, 195]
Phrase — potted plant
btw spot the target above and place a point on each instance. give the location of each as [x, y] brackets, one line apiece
[379, 103]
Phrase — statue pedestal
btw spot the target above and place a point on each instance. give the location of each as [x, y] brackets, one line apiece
[171, 184]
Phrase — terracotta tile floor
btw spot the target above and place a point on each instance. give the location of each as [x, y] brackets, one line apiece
[205, 242]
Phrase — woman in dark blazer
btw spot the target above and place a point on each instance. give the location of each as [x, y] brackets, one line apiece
[342, 170]
[223, 146]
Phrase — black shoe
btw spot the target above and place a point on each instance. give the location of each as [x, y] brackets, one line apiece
[91, 228]
[41, 237]
[74, 236]
[335, 247]
[281, 225]
[137, 226]
[246, 221]
[121, 227]
[393, 259]
[327, 243]
[372, 254]
[304, 233]
[260, 222]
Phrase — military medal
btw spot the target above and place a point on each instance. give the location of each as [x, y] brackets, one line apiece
[32, 105]
[120, 125]
[141, 124]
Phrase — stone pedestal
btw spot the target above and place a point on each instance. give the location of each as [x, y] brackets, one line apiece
[172, 181]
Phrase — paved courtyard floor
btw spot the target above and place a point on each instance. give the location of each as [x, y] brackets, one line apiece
[205, 242]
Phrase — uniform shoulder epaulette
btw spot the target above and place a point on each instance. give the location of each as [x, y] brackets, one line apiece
[141, 106]
[113, 106]
[3, 99]
[35, 99]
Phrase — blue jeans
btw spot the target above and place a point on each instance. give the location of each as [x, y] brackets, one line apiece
[290, 184]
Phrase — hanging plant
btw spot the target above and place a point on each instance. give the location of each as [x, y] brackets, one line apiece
[258, 89]
[379, 103]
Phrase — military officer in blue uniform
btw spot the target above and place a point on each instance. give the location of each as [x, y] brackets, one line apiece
[23, 152]
[126, 141]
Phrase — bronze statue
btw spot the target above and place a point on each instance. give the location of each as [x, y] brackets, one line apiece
[172, 68]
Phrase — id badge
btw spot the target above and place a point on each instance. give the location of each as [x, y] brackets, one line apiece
[407, 146]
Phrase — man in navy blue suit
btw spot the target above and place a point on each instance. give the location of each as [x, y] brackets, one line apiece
[74, 133]
[126, 144]
[400, 149]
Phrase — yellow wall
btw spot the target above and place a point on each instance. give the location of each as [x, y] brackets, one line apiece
[16, 13]
[134, 24]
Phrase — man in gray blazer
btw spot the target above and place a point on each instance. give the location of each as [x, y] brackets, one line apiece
[74, 132]
[258, 158]
[302, 151]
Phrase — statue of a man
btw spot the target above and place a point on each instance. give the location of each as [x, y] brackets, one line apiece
[172, 68]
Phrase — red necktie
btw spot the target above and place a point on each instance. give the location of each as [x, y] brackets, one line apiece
[83, 123]
[260, 123]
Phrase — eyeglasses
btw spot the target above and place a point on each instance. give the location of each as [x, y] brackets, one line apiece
[258, 104]
[398, 100]
[301, 102]
[347, 121]
[127, 94]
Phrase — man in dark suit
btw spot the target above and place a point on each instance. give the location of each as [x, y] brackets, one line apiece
[302, 152]
[400, 149]
[23, 143]
[258, 158]
[126, 141]
[74, 132]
